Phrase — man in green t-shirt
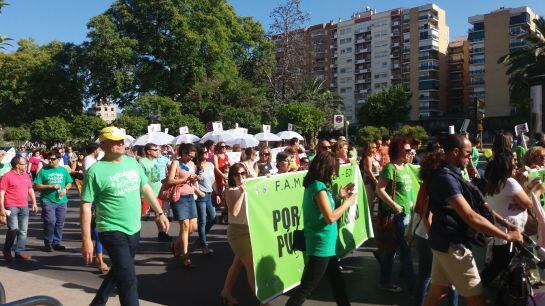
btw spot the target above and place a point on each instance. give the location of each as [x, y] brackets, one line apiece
[53, 182]
[151, 169]
[115, 184]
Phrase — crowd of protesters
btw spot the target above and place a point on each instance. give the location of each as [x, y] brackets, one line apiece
[120, 187]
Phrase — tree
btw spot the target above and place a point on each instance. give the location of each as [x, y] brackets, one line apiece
[389, 107]
[40, 81]
[3, 39]
[153, 107]
[314, 92]
[133, 125]
[370, 133]
[288, 20]
[16, 134]
[86, 127]
[307, 119]
[50, 130]
[415, 132]
[174, 121]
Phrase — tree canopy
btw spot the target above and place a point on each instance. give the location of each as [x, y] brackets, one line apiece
[389, 107]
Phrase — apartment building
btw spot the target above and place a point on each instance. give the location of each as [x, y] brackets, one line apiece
[374, 50]
[490, 37]
[458, 102]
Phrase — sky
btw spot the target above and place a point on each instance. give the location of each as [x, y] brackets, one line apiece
[65, 20]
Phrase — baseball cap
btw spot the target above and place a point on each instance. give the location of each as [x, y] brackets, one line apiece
[111, 133]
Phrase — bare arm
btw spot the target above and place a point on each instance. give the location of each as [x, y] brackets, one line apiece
[367, 166]
[41, 187]
[480, 223]
[383, 195]
[2, 199]
[85, 224]
[523, 200]
[172, 174]
[216, 165]
[331, 216]
[32, 195]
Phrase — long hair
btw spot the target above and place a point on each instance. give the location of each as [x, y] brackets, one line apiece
[502, 142]
[396, 146]
[233, 171]
[201, 156]
[323, 167]
[497, 171]
[247, 154]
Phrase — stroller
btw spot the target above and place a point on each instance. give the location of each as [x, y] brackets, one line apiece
[515, 288]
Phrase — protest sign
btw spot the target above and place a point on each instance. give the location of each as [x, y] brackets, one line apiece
[217, 126]
[153, 128]
[338, 122]
[266, 128]
[274, 210]
[184, 130]
[290, 127]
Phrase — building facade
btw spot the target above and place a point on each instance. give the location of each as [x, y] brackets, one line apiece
[490, 37]
[107, 111]
[458, 102]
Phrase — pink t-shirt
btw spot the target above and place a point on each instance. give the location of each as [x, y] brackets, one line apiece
[16, 187]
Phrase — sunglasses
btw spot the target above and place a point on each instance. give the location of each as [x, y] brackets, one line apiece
[241, 173]
[52, 158]
[156, 149]
[407, 151]
[222, 146]
[265, 154]
[24, 164]
[326, 147]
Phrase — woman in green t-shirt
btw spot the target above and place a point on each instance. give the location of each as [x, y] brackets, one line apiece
[320, 219]
[394, 189]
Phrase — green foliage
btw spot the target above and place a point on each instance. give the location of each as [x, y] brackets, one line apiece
[389, 107]
[174, 121]
[50, 130]
[133, 125]
[314, 92]
[16, 134]
[154, 108]
[40, 81]
[86, 127]
[415, 132]
[371, 133]
[307, 119]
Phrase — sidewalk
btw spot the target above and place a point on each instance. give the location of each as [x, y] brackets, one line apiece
[21, 285]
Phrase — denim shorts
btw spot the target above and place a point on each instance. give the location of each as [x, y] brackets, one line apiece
[185, 208]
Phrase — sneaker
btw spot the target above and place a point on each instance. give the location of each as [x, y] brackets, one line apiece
[59, 247]
[163, 237]
[7, 255]
[48, 248]
[391, 288]
[22, 256]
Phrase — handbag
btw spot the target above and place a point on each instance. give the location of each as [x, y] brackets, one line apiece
[386, 233]
[168, 192]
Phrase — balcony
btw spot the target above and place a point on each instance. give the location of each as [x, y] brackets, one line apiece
[333, 85]
[395, 45]
[360, 41]
[332, 46]
[361, 61]
[362, 71]
[395, 23]
[363, 50]
[333, 65]
[395, 66]
[364, 91]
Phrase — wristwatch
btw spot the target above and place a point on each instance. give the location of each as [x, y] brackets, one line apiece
[160, 214]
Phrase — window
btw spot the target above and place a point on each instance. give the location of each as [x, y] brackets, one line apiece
[345, 40]
[384, 64]
[349, 60]
[346, 31]
[318, 32]
[346, 80]
[380, 43]
[377, 76]
[346, 70]
[318, 42]
[346, 89]
[346, 50]
[319, 50]
[381, 54]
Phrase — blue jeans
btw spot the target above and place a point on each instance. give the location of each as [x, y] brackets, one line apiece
[17, 228]
[206, 214]
[425, 257]
[121, 248]
[400, 220]
[53, 216]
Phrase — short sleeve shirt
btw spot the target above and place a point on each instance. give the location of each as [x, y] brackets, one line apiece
[152, 172]
[403, 185]
[447, 227]
[115, 190]
[320, 237]
[16, 187]
[52, 176]
[504, 204]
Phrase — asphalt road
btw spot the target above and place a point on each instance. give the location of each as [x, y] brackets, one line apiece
[163, 280]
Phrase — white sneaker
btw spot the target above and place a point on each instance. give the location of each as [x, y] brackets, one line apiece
[390, 287]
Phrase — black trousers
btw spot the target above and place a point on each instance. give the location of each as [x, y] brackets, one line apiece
[501, 257]
[314, 271]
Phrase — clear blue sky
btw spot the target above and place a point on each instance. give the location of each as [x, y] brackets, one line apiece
[66, 20]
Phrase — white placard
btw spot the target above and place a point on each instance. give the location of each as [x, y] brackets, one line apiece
[521, 128]
[166, 130]
[338, 122]
[266, 128]
[451, 129]
[184, 130]
[154, 128]
[290, 127]
[240, 131]
[217, 126]
[463, 129]
[234, 157]
[9, 155]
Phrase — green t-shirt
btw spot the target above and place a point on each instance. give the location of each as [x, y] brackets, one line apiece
[115, 190]
[403, 186]
[320, 237]
[474, 156]
[51, 176]
[4, 168]
[152, 172]
[520, 151]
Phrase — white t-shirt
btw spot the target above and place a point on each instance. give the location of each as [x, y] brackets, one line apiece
[503, 204]
[88, 161]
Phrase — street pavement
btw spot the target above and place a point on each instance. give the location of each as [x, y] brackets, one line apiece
[161, 278]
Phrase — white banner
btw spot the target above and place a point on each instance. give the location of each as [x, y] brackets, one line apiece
[266, 128]
[153, 128]
[217, 126]
[184, 130]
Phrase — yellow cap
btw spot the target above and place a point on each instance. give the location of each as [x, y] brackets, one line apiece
[111, 133]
